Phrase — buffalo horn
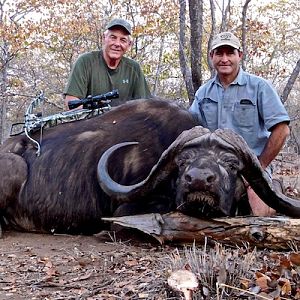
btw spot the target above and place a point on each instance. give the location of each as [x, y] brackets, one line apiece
[257, 177]
[158, 173]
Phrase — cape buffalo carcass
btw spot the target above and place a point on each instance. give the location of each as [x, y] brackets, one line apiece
[144, 156]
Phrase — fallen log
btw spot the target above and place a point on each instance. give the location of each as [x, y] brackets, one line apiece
[278, 232]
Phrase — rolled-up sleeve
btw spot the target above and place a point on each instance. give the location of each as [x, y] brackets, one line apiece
[270, 107]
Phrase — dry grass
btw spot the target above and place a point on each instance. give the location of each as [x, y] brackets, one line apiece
[216, 266]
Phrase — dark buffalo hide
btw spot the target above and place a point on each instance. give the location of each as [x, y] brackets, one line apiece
[58, 191]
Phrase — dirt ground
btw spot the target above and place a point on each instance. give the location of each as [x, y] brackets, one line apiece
[102, 267]
[40, 266]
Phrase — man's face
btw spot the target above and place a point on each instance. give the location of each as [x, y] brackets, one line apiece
[116, 42]
[226, 60]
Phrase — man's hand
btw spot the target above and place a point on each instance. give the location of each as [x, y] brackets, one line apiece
[259, 208]
[68, 98]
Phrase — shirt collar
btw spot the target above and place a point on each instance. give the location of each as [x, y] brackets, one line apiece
[240, 79]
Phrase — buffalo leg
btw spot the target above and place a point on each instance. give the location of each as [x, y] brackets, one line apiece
[13, 174]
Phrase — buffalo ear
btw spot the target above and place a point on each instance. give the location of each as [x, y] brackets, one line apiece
[257, 177]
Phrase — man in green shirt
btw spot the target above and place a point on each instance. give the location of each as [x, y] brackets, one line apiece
[102, 71]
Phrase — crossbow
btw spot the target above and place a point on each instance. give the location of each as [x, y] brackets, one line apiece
[91, 106]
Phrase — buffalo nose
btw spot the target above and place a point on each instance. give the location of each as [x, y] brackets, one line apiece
[200, 178]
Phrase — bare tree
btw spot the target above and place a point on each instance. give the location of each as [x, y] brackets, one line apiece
[290, 83]
[3, 83]
[225, 13]
[158, 68]
[212, 33]
[244, 30]
[185, 69]
[196, 20]
[284, 96]
[14, 41]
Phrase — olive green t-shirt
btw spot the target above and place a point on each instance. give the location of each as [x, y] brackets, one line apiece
[90, 75]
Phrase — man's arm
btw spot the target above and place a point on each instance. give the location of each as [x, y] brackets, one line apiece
[275, 142]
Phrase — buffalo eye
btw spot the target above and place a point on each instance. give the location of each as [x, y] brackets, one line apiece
[180, 162]
[229, 161]
[232, 167]
[184, 158]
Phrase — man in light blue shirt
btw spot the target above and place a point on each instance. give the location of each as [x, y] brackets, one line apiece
[245, 103]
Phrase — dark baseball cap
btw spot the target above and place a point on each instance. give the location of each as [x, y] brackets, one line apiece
[119, 22]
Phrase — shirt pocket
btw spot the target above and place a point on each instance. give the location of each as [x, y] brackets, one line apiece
[245, 114]
[209, 107]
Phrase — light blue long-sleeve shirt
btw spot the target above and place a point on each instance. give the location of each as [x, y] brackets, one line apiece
[249, 105]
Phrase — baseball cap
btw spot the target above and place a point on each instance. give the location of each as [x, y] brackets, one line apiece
[225, 39]
[119, 22]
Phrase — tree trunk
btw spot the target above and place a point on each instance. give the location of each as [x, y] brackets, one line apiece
[196, 20]
[277, 233]
[3, 89]
[185, 70]
[244, 31]
[158, 69]
[2, 119]
[290, 83]
[212, 34]
[225, 13]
